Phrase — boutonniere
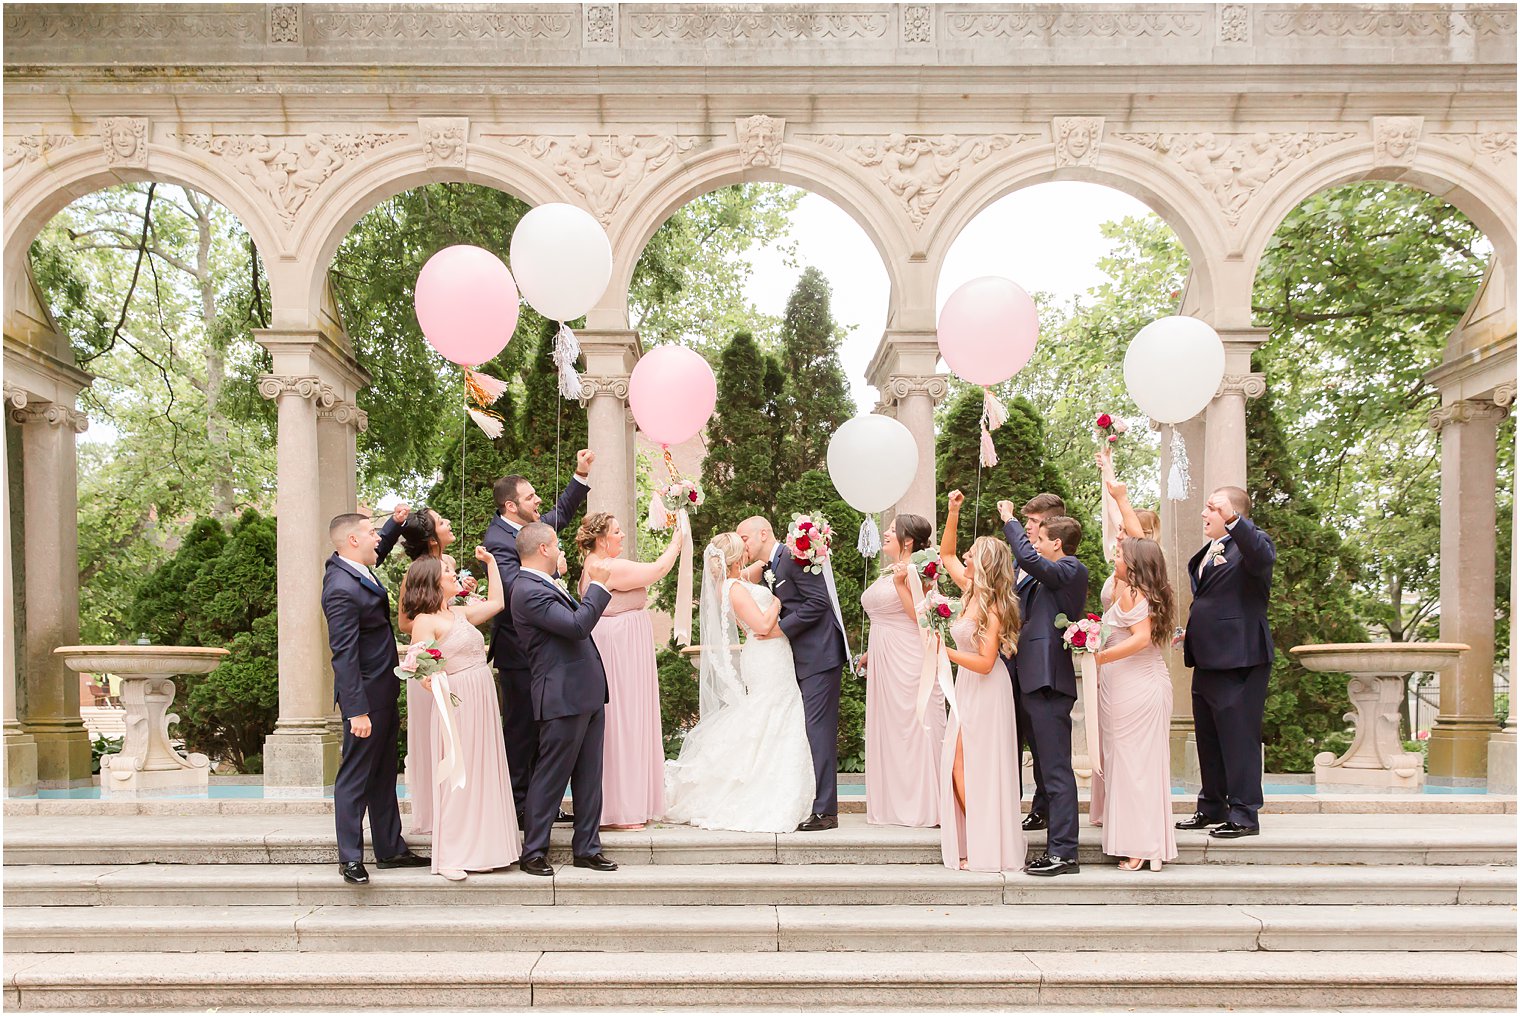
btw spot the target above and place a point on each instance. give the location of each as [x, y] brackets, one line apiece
[559, 581]
[770, 578]
[1218, 557]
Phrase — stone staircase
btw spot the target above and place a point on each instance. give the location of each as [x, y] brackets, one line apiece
[121, 910]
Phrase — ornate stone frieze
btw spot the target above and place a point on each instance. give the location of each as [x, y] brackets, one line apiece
[125, 140]
[760, 141]
[1357, 21]
[716, 25]
[285, 24]
[917, 25]
[1251, 386]
[54, 414]
[435, 25]
[606, 168]
[1234, 167]
[1395, 139]
[305, 386]
[1075, 24]
[444, 139]
[902, 386]
[231, 24]
[1077, 139]
[289, 170]
[614, 385]
[1234, 23]
[601, 25]
[917, 169]
[1466, 411]
[1491, 145]
[15, 398]
[31, 147]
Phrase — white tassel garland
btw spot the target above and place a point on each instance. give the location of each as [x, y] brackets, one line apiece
[1179, 479]
[869, 541]
[487, 422]
[567, 349]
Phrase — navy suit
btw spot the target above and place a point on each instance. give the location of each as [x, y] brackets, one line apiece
[1229, 646]
[569, 698]
[507, 650]
[358, 612]
[818, 653]
[1045, 681]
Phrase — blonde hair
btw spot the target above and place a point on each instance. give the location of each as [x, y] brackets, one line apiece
[721, 554]
[1150, 522]
[592, 526]
[992, 591]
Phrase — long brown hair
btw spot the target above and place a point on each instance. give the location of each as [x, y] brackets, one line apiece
[1146, 567]
[422, 589]
[992, 591]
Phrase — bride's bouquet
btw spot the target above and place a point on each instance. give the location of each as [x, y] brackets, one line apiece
[1084, 635]
[927, 563]
[809, 538]
[938, 612]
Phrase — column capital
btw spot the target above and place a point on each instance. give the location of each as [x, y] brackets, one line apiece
[341, 411]
[15, 398]
[611, 385]
[305, 386]
[902, 386]
[1504, 395]
[1251, 386]
[54, 414]
[1466, 411]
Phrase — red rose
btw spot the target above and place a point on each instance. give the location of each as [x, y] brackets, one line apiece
[943, 610]
[692, 496]
[1105, 421]
[435, 654]
[1113, 438]
[1093, 617]
[1079, 639]
[803, 543]
[931, 569]
[803, 527]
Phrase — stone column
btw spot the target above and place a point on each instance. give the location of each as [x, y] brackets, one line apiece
[301, 756]
[1465, 721]
[51, 559]
[1181, 536]
[1501, 746]
[339, 421]
[903, 370]
[610, 356]
[20, 747]
[1225, 440]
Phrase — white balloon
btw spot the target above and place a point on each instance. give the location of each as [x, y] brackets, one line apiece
[1173, 368]
[561, 259]
[872, 460]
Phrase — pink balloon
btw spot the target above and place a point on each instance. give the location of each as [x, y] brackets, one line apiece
[466, 303]
[672, 393]
[988, 330]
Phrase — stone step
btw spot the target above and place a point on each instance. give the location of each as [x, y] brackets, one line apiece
[576, 980]
[751, 928]
[230, 885]
[308, 839]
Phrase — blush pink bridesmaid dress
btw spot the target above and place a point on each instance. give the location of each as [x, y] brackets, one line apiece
[902, 753]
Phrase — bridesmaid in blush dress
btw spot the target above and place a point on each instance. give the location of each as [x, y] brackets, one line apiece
[902, 752]
[633, 772]
[1135, 710]
[474, 825]
[979, 797]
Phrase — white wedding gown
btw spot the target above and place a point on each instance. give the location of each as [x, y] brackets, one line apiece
[747, 767]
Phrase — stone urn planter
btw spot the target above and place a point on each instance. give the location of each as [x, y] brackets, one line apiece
[147, 764]
[1376, 762]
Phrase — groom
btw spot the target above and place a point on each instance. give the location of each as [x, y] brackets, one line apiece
[810, 619]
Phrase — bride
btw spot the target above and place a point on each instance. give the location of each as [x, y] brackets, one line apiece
[746, 765]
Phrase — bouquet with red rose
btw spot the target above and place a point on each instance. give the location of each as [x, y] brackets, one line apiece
[422, 659]
[937, 613]
[1109, 427]
[680, 492]
[1084, 635]
[463, 598]
[809, 538]
[926, 562]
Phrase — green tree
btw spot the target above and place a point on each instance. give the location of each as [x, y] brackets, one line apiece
[739, 469]
[815, 395]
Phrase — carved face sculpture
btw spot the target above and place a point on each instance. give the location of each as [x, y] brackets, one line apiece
[445, 143]
[581, 145]
[1399, 141]
[123, 139]
[1078, 139]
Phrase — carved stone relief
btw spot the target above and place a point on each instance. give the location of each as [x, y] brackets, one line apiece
[750, 25]
[463, 26]
[1076, 139]
[601, 25]
[125, 139]
[760, 141]
[444, 139]
[994, 24]
[1234, 167]
[606, 168]
[31, 147]
[917, 25]
[1395, 139]
[54, 414]
[285, 24]
[1356, 21]
[1234, 23]
[289, 170]
[1491, 145]
[917, 169]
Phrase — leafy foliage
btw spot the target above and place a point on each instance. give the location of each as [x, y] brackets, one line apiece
[739, 470]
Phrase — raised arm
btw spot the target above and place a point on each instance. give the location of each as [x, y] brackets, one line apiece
[947, 553]
[390, 532]
[1257, 551]
[642, 574]
[1120, 493]
[554, 614]
[478, 613]
[1052, 574]
[574, 494]
[981, 661]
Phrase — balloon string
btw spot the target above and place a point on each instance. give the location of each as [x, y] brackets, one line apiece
[976, 506]
[559, 411]
[464, 435]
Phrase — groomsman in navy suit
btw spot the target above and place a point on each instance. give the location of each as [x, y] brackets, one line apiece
[569, 698]
[1053, 582]
[366, 687]
[1229, 646]
[517, 505]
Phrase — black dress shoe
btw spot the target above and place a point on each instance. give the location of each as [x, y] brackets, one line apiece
[813, 823]
[1198, 821]
[596, 862]
[1034, 821]
[406, 860]
[1049, 865]
[536, 866]
[353, 872]
[1231, 831]
[563, 818]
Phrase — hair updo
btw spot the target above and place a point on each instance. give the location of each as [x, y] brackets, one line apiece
[595, 525]
[908, 526]
[722, 554]
[419, 535]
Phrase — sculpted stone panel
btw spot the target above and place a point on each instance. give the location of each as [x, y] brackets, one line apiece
[853, 23]
[1356, 21]
[382, 25]
[31, 147]
[916, 169]
[1018, 24]
[1234, 167]
[601, 25]
[285, 24]
[289, 170]
[1395, 139]
[1234, 23]
[606, 168]
[760, 141]
[125, 139]
[1077, 139]
[229, 24]
[444, 139]
[918, 25]
[1494, 146]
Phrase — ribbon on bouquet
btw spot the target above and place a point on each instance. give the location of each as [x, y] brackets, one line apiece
[1088, 663]
[936, 665]
[450, 769]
